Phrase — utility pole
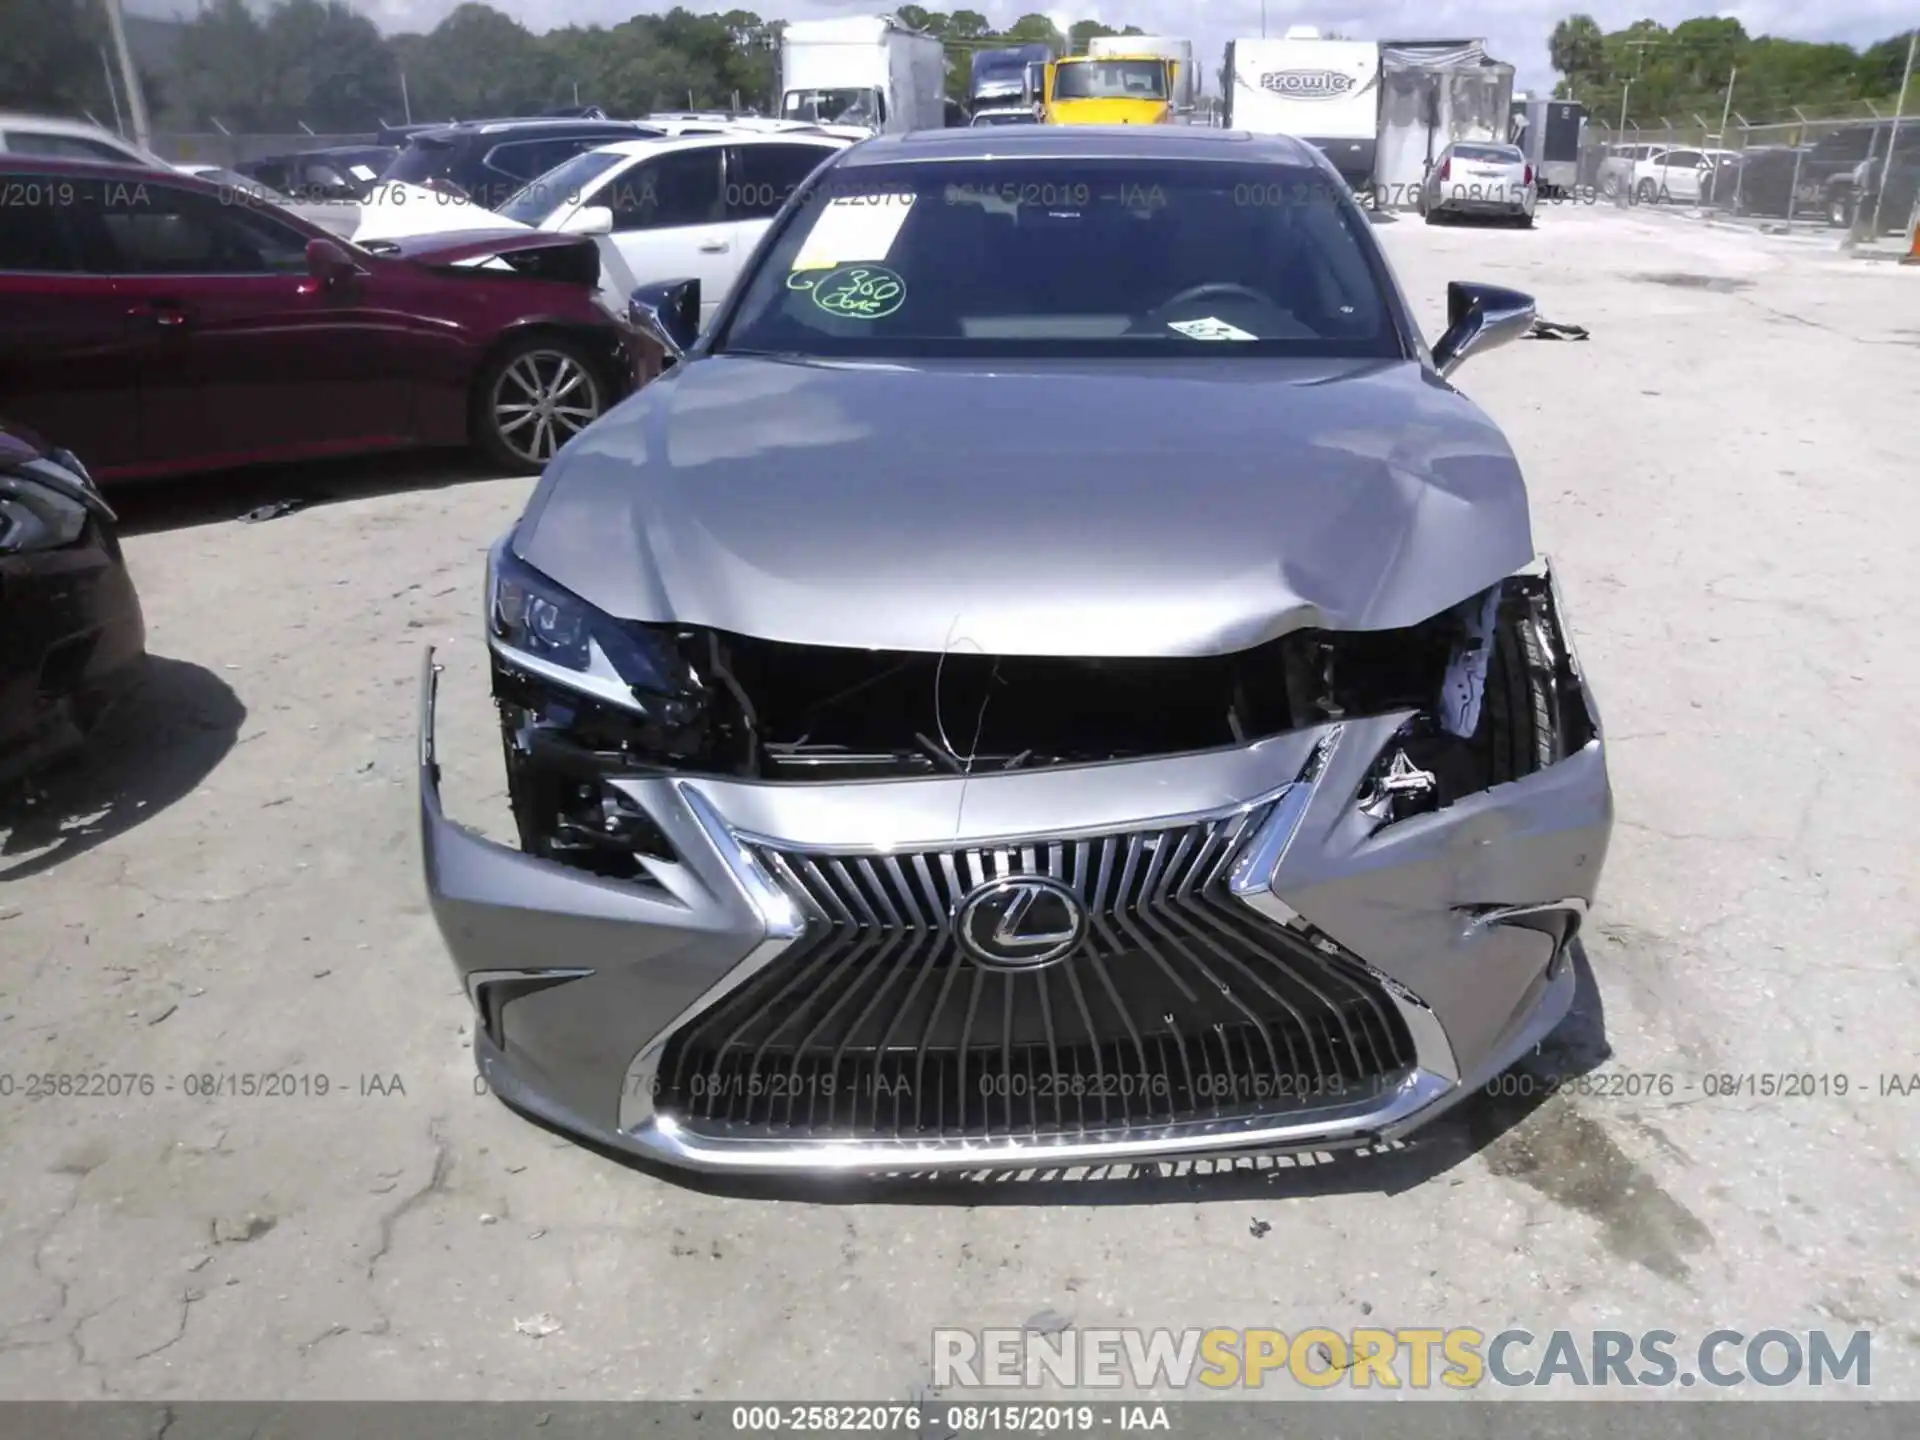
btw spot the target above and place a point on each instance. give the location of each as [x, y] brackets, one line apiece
[1727, 109]
[1625, 91]
[1906, 77]
[406, 105]
[129, 77]
[113, 93]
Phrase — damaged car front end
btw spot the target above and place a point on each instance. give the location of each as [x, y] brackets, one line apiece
[896, 793]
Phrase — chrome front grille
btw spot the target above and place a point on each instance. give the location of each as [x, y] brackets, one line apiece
[1181, 1004]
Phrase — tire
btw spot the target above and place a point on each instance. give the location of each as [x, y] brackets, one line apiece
[1840, 209]
[536, 394]
[1645, 193]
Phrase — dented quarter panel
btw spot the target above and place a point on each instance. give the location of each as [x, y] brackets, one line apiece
[1094, 509]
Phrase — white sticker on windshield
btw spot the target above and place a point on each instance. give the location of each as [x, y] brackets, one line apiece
[854, 228]
[361, 172]
[1209, 329]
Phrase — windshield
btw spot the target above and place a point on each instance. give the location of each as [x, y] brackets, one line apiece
[1082, 258]
[566, 184]
[1490, 154]
[1111, 80]
[425, 161]
[832, 107]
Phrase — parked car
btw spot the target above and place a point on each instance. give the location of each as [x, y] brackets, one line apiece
[170, 330]
[450, 178]
[339, 173]
[1049, 677]
[74, 639]
[1005, 115]
[686, 208]
[1762, 179]
[1616, 170]
[1675, 174]
[1481, 179]
[337, 217]
[51, 136]
[1901, 178]
[1839, 167]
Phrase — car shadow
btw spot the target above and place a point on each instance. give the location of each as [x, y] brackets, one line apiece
[163, 738]
[262, 493]
[1577, 1046]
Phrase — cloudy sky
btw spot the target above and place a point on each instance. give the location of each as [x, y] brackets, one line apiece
[1516, 30]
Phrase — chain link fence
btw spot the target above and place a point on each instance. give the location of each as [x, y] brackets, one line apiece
[215, 147]
[1855, 175]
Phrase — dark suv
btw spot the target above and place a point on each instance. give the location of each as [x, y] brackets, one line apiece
[488, 160]
[1841, 171]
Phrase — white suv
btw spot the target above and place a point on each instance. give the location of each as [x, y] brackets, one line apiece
[69, 140]
[691, 208]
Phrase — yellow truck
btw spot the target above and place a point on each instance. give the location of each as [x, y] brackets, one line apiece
[1110, 90]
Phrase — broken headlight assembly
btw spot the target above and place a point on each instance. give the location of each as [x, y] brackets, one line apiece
[585, 697]
[1510, 704]
[45, 504]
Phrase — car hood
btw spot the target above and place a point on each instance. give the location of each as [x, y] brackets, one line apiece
[395, 210]
[1096, 509]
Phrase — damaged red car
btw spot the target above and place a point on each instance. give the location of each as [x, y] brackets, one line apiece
[165, 325]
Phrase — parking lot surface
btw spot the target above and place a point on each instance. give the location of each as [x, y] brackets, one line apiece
[226, 898]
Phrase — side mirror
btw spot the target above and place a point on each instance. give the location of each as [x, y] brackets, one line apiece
[328, 264]
[589, 220]
[668, 314]
[1480, 317]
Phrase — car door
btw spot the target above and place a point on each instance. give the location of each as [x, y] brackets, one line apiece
[1680, 175]
[67, 363]
[245, 356]
[760, 179]
[669, 221]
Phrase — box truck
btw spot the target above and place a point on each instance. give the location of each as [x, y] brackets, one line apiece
[1186, 80]
[864, 75]
[1125, 89]
[1326, 92]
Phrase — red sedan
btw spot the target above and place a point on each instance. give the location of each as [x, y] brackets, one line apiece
[160, 324]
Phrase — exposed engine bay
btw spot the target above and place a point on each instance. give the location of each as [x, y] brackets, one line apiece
[1490, 686]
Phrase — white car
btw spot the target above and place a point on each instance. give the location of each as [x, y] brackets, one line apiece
[1675, 174]
[1484, 179]
[689, 208]
[69, 140]
[337, 217]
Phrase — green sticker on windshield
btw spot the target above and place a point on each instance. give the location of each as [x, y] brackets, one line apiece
[860, 292]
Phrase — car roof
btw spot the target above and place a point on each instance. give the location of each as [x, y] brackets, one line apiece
[57, 125]
[536, 124]
[730, 137]
[1084, 142]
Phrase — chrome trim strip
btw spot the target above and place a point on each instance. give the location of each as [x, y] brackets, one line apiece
[784, 924]
[1028, 837]
[1328, 1128]
[478, 980]
[1574, 909]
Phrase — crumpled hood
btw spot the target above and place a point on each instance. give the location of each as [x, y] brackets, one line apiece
[1190, 507]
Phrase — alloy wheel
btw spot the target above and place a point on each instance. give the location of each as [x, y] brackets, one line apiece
[541, 401]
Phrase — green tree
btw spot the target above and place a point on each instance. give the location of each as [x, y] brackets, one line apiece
[1577, 49]
[328, 67]
[49, 55]
[476, 62]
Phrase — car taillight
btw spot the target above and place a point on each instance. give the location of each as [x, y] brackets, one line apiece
[1526, 176]
[1446, 168]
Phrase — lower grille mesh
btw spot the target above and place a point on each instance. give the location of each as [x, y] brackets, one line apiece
[1180, 1005]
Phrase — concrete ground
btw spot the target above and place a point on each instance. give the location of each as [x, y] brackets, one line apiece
[1726, 477]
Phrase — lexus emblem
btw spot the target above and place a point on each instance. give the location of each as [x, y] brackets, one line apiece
[1307, 84]
[1020, 922]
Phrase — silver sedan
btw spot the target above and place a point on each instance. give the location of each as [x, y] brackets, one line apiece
[1480, 179]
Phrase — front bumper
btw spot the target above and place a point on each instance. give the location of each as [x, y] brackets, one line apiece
[1461, 917]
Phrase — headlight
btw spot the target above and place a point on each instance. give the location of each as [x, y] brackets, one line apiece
[38, 512]
[550, 632]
